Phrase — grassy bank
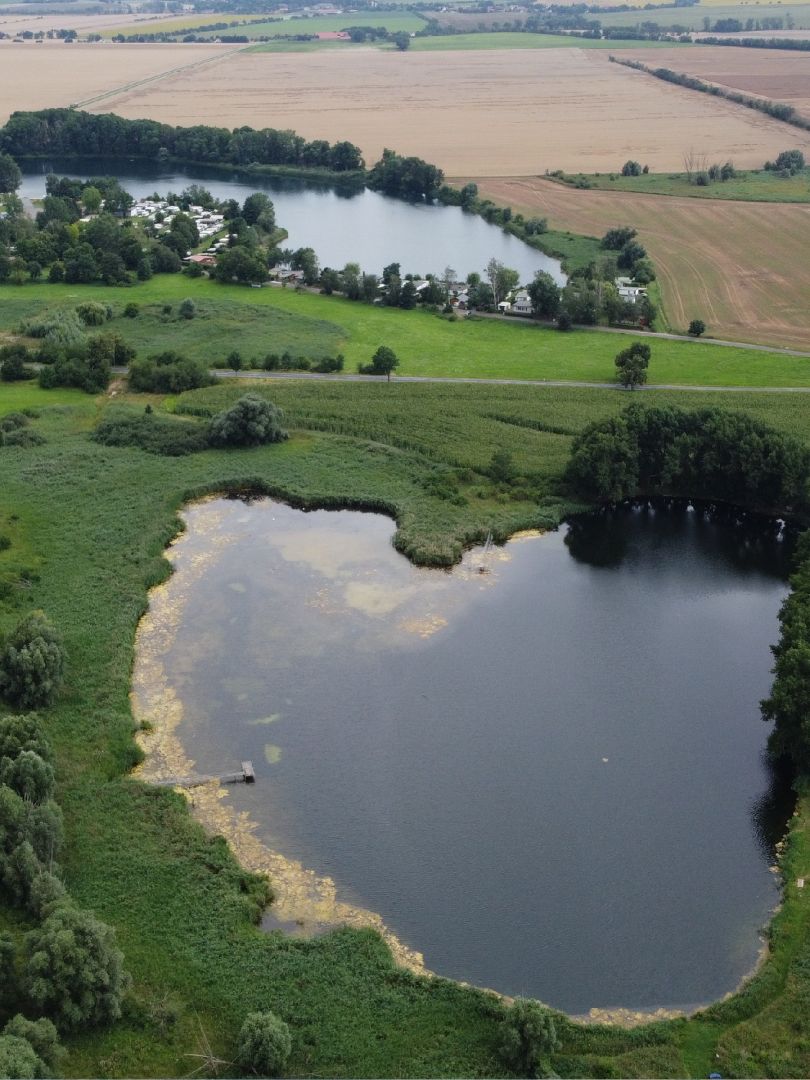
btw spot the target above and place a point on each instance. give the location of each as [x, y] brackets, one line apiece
[88, 526]
[259, 321]
[755, 185]
[507, 39]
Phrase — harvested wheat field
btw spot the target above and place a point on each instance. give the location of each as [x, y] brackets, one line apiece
[16, 23]
[741, 267]
[774, 74]
[490, 113]
[54, 74]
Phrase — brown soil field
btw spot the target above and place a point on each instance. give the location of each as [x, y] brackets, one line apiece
[741, 267]
[775, 74]
[487, 113]
[55, 74]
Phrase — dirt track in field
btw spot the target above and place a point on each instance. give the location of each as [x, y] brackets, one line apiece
[741, 267]
[489, 113]
[54, 74]
[773, 74]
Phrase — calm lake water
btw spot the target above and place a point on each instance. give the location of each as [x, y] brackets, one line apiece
[548, 778]
[341, 224]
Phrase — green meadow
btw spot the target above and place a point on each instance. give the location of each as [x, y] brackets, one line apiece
[747, 186]
[260, 321]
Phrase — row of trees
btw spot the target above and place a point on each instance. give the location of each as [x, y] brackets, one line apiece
[71, 132]
[68, 969]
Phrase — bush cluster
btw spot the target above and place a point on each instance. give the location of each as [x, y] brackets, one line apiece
[150, 432]
[32, 662]
[710, 454]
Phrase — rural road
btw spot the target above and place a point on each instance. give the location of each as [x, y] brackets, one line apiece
[266, 375]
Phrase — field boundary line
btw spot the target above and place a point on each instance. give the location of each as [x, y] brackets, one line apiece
[151, 78]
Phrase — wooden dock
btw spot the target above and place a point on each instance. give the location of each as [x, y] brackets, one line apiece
[246, 775]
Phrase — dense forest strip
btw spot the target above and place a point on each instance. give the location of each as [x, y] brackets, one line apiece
[779, 110]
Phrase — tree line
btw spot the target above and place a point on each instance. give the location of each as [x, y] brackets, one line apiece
[69, 132]
[714, 454]
[777, 109]
[718, 455]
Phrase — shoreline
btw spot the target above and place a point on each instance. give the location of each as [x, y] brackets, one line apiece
[304, 904]
[301, 896]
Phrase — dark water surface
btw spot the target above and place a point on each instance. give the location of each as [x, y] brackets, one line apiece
[548, 778]
[343, 224]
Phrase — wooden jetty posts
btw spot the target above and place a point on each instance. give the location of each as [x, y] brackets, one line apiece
[246, 775]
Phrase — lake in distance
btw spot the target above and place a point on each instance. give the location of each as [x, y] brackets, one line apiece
[548, 778]
[342, 224]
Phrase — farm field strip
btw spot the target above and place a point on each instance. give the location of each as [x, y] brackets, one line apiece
[518, 40]
[532, 110]
[693, 17]
[331, 23]
[741, 267]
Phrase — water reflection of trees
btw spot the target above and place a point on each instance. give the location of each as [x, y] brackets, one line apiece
[748, 542]
[772, 810]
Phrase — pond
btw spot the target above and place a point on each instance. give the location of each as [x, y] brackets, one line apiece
[342, 224]
[547, 777]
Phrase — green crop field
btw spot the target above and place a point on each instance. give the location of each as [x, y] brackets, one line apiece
[693, 17]
[510, 40]
[88, 524]
[319, 24]
[260, 321]
[748, 186]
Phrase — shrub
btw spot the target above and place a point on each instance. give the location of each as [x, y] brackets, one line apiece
[19, 1059]
[93, 314]
[32, 662]
[28, 775]
[152, 433]
[23, 732]
[528, 1035]
[41, 1035]
[74, 969]
[187, 309]
[167, 373]
[12, 364]
[131, 311]
[8, 971]
[45, 891]
[631, 168]
[250, 421]
[56, 327]
[265, 1044]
